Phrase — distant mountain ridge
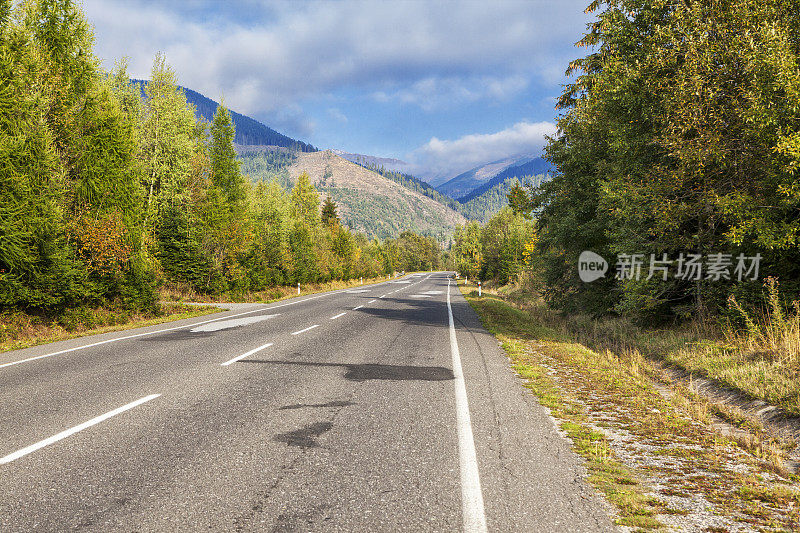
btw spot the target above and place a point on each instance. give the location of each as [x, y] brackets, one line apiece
[534, 167]
[473, 178]
[387, 163]
[248, 130]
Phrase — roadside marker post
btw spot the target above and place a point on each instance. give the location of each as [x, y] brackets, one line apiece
[298, 288]
[479, 288]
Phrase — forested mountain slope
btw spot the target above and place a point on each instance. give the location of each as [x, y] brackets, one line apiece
[248, 130]
[470, 180]
[372, 204]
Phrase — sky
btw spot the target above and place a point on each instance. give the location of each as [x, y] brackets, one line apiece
[443, 85]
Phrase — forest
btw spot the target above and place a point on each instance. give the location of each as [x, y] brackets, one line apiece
[108, 194]
[679, 141]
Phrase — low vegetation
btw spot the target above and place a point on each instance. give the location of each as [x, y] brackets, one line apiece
[652, 450]
[19, 329]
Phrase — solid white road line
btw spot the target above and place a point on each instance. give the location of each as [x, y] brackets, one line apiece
[80, 427]
[359, 307]
[337, 316]
[304, 330]
[248, 354]
[472, 512]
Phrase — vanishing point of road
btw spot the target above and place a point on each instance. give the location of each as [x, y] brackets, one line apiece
[384, 407]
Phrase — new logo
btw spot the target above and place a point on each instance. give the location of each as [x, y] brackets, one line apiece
[591, 266]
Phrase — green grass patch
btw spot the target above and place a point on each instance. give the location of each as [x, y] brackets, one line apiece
[588, 390]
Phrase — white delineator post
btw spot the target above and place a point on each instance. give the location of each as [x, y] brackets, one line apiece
[362, 280]
[479, 288]
[298, 288]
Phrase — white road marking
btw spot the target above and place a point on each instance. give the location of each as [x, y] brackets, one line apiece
[248, 354]
[421, 296]
[472, 512]
[358, 291]
[307, 329]
[371, 301]
[232, 323]
[165, 330]
[359, 307]
[337, 316]
[433, 292]
[80, 427]
[384, 296]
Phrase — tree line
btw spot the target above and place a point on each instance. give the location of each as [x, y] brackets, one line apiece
[679, 138]
[105, 193]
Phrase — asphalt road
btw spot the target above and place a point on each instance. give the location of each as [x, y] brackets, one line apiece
[354, 410]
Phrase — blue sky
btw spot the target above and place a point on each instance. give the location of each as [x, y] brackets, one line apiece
[443, 85]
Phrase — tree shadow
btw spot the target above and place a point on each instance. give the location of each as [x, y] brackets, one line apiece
[370, 371]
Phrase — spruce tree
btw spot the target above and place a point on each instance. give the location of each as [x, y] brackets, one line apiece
[329, 215]
[225, 172]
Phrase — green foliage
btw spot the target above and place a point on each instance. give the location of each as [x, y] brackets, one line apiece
[329, 215]
[498, 251]
[679, 135]
[268, 165]
[106, 192]
[225, 172]
[484, 206]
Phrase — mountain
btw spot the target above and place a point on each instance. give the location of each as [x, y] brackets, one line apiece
[248, 130]
[470, 180]
[534, 167]
[388, 163]
[371, 203]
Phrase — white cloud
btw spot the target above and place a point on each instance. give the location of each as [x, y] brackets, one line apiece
[450, 157]
[272, 55]
[435, 93]
[337, 115]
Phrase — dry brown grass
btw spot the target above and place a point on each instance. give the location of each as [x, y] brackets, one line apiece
[21, 330]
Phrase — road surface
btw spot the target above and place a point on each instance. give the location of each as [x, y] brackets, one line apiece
[380, 408]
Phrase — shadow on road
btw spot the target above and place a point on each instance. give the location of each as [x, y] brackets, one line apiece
[364, 372]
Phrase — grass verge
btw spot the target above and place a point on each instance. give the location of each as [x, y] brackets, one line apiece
[656, 457]
[754, 362]
[21, 330]
[184, 293]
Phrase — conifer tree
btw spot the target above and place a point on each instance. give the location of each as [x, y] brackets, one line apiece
[329, 215]
[225, 172]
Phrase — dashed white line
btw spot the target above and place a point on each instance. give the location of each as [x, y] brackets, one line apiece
[307, 329]
[359, 307]
[371, 301]
[384, 296]
[472, 512]
[71, 431]
[165, 330]
[251, 352]
[337, 316]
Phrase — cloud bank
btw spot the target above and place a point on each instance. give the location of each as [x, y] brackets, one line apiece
[267, 57]
[450, 157]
